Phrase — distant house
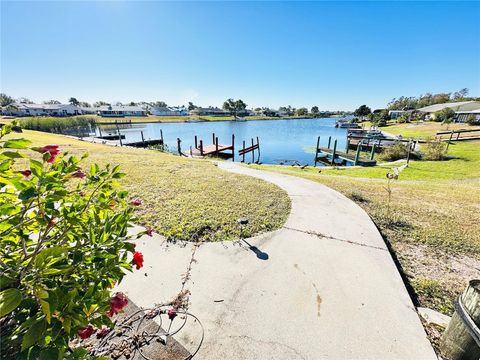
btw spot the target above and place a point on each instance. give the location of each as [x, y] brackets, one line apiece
[120, 111]
[21, 109]
[462, 110]
[169, 111]
[210, 111]
[395, 114]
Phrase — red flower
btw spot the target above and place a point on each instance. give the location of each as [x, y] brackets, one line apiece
[172, 313]
[53, 150]
[149, 231]
[79, 174]
[26, 172]
[136, 202]
[117, 303]
[86, 332]
[138, 259]
[103, 331]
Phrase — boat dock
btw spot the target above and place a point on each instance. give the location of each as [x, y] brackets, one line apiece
[333, 157]
[214, 149]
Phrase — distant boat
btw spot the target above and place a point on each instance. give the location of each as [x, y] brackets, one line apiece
[345, 124]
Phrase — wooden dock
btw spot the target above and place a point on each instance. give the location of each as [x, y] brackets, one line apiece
[458, 135]
[214, 149]
[332, 156]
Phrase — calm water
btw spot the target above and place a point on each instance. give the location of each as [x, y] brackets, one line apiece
[280, 140]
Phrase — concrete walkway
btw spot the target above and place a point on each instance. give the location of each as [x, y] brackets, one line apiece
[322, 287]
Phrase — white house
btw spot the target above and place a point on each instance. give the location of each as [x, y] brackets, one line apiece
[169, 111]
[210, 111]
[21, 109]
[462, 109]
[120, 111]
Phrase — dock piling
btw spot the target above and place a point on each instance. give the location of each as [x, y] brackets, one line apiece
[334, 151]
[243, 156]
[357, 155]
[196, 142]
[253, 152]
[372, 154]
[233, 147]
[201, 147]
[216, 145]
[329, 141]
[316, 150]
[258, 148]
[347, 146]
[161, 136]
[143, 139]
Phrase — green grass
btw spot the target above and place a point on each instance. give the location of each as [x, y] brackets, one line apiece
[432, 220]
[185, 199]
[423, 130]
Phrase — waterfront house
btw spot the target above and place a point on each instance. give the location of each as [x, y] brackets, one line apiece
[210, 111]
[462, 110]
[120, 111]
[23, 109]
[169, 111]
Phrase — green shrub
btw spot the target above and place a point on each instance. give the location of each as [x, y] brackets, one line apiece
[405, 118]
[445, 115]
[63, 245]
[394, 152]
[472, 120]
[434, 150]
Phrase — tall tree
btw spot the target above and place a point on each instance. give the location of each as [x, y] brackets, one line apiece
[160, 104]
[191, 106]
[52, 102]
[100, 103]
[85, 104]
[315, 111]
[234, 106]
[74, 101]
[301, 111]
[363, 110]
[7, 103]
[24, 100]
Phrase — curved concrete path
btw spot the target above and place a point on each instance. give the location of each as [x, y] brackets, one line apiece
[322, 287]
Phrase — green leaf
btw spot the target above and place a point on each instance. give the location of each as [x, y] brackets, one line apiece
[27, 194]
[9, 300]
[17, 143]
[13, 154]
[36, 167]
[33, 334]
[49, 256]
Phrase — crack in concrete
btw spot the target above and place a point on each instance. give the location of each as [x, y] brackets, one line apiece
[320, 235]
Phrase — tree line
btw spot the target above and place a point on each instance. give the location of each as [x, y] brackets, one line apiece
[416, 102]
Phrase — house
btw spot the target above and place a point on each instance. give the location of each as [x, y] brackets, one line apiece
[395, 114]
[462, 109]
[169, 111]
[210, 111]
[120, 111]
[21, 109]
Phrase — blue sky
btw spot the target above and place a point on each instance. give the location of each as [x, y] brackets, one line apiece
[337, 55]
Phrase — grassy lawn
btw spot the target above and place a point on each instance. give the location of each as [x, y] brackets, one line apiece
[185, 199]
[423, 130]
[431, 222]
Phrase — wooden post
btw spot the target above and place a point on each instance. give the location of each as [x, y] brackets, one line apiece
[334, 151]
[408, 152]
[143, 139]
[99, 130]
[161, 136]
[179, 147]
[253, 153]
[191, 152]
[461, 339]
[449, 140]
[119, 135]
[316, 150]
[233, 147]
[458, 135]
[258, 149]
[372, 154]
[216, 146]
[243, 159]
[329, 141]
[347, 146]
[201, 147]
[357, 155]
[196, 143]
[213, 138]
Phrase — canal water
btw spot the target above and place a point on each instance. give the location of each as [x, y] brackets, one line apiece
[281, 141]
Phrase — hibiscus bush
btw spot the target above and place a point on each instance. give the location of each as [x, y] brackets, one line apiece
[64, 244]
